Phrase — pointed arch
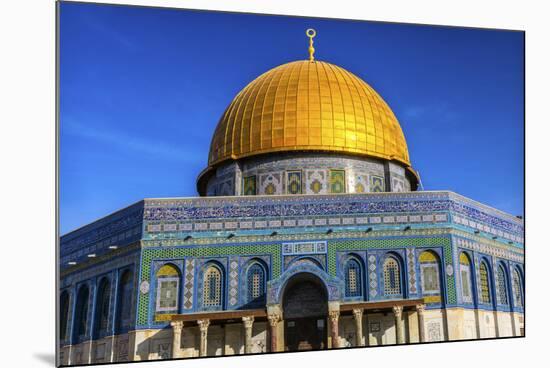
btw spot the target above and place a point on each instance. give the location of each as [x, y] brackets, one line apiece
[466, 280]
[484, 283]
[167, 291]
[256, 282]
[430, 276]
[392, 276]
[502, 285]
[64, 301]
[124, 312]
[81, 314]
[517, 287]
[353, 277]
[213, 291]
[102, 308]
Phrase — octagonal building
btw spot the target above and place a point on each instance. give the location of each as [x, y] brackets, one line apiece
[309, 233]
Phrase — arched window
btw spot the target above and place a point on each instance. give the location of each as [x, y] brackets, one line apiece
[63, 314]
[256, 283]
[518, 288]
[102, 308]
[353, 277]
[429, 276]
[124, 319]
[502, 296]
[466, 278]
[212, 291]
[81, 313]
[484, 283]
[392, 277]
[168, 279]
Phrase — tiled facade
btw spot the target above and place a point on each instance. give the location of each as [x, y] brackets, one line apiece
[310, 219]
[316, 173]
[288, 235]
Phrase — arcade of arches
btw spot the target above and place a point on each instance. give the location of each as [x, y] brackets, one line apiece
[305, 320]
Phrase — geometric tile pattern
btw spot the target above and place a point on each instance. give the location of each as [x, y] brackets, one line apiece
[188, 283]
[316, 182]
[359, 183]
[490, 250]
[320, 259]
[275, 251]
[377, 184]
[337, 181]
[373, 279]
[226, 188]
[233, 281]
[397, 185]
[294, 182]
[393, 243]
[271, 184]
[150, 254]
[495, 277]
[249, 185]
[411, 262]
[478, 277]
[159, 210]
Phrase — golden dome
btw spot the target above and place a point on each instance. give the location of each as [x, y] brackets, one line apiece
[308, 106]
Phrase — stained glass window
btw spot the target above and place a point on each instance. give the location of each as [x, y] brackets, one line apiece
[465, 278]
[125, 301]
[429, 275]
[102, 307]
[502, 288]
[64, 314]
[518, 289]
[392, 277]
[212, 291]
[168, 279]
[484, 283]
[256, 283]
[353, 278]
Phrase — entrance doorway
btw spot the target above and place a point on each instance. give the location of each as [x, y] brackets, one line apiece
[305, 313]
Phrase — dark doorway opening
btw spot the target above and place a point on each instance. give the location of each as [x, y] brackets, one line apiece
[305, 313]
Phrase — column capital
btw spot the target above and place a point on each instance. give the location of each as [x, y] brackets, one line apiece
[248, 321]
[334, 315]
[420, 308]
[176, 325]
[397, 310]
[203, 324]
[273, 318]
[357, 313]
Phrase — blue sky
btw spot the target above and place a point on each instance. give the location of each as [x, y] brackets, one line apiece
[142, 89]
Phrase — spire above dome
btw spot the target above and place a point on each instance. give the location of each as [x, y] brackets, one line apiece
[311, 33]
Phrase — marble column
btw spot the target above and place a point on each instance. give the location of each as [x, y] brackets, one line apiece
[398, 315]
[358, 316]
[273, 322]
[177, 327]
[248, 322]
[334, 316]
[203, 326]
[420, 308]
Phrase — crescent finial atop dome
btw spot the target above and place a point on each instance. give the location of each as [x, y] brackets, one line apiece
[310, 32]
